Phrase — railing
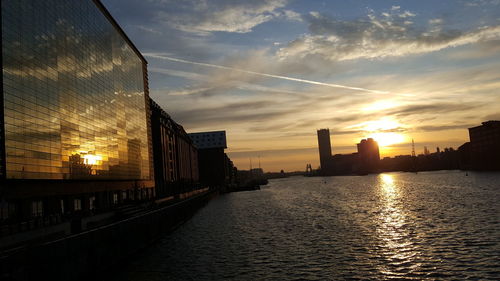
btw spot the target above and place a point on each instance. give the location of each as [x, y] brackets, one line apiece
[35, 223]
[86, 253]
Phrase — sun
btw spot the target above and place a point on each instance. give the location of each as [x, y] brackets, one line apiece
[387, 138]
[385, 131]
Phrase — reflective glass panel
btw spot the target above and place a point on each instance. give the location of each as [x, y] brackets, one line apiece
[74, 101]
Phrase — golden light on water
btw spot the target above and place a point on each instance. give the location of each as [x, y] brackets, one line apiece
[395, 239]
[387, 185]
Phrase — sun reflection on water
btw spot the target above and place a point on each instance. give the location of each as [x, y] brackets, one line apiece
[387, 184]
[393, 230]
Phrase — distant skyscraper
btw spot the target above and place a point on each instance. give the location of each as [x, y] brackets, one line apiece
[325, 150]
[369, 156]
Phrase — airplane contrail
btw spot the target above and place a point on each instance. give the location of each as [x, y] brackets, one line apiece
[158, 56]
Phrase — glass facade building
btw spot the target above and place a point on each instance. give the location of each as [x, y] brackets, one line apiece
[75, 101]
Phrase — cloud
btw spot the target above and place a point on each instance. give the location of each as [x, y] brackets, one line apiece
[435, 21]
[291, 15]
[481, 50]
[433, 128]
[179, 73]
[230, 113]
[203, 17]
[481, 3]
[273, 152]
[373, 37]
[345, 132]
[495, 116]
[187, 28]
[266, 75]
[187, 91]
[406, 14]
[419, 109]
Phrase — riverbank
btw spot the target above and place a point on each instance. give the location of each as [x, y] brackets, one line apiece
[87, 254]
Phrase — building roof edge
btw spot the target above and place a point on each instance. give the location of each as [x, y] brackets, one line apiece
[108, 15]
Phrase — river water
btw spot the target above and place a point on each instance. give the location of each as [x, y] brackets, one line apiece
[426, 226]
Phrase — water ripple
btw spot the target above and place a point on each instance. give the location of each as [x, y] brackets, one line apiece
[397, 226]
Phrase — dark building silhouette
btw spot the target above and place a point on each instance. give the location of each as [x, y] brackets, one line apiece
[465, 156]
[368, 156]
[366, 160]
[448, 159]
[175, 156]
[216, 169]
[325, 151]
[481, 153]
[398, 163]
[344, 164]
[485, 146]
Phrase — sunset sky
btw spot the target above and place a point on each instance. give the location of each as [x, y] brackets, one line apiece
[271, 73]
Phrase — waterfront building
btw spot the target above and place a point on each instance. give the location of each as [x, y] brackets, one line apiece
[209, 140]
[464, 154]
[344, 164]
[74, 115]
[257, 172]
[397, 163]
[175, 156]
[325, 151]
[215, 167]
[485, 146]
[368, 155]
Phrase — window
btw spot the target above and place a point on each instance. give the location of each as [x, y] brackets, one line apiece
[4, 210]
[115, 198]
[37, 208]
[77, 204]
[62, 206]
[92, 203]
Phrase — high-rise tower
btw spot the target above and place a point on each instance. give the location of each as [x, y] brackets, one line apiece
[369, 155]
[325, 150]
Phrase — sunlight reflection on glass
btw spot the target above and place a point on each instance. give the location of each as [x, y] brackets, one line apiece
[91, 159]
[395, 238]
